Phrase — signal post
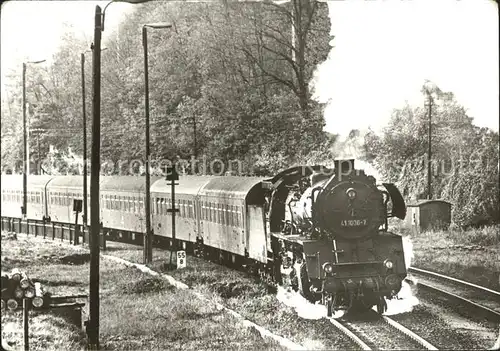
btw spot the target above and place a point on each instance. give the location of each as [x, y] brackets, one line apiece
[172, 177]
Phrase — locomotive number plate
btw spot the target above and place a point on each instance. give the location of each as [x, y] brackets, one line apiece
[353, 222]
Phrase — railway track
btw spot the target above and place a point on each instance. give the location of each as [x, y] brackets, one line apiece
[483, 301]
[374, 332]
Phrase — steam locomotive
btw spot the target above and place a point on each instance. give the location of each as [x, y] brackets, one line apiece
[330, 228]
[320, 231]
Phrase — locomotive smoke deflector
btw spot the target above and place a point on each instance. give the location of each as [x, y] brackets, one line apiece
[398, 203]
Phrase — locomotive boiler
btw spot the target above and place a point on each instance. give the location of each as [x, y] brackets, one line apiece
[330, 238]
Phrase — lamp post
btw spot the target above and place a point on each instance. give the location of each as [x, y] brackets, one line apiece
[95, 226]
[429, 88]
[85, 206]
[24, 209]
[148, 238]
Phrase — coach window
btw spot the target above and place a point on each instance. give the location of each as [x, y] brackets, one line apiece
[159, 202]
[217, 209]
[216, 213]
[226, 218]
[223, 214]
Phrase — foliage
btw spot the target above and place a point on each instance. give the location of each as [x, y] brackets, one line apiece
[464, 159]
[228, 75]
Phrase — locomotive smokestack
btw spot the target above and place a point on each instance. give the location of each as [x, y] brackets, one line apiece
[343, 167]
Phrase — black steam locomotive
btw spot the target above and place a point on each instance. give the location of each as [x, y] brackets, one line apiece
[330, 236]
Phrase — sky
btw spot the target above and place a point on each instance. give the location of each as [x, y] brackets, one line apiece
[385, 50]
[47, 20]
[382, 53]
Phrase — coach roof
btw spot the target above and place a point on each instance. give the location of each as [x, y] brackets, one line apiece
[189, 185]
[232, 186]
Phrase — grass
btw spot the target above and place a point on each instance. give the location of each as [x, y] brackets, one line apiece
[244, 294]
[472, 255]
[137, 311]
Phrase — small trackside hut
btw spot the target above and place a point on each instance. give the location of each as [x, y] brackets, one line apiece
[428, 215]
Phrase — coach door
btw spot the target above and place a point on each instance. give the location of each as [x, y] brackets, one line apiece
[257, 241]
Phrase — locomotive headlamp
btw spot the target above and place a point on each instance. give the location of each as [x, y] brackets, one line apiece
[351, 193]
[328, 267]
[388, 264]
[37, 301]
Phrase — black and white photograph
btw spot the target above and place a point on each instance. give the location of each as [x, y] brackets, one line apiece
[250, 175]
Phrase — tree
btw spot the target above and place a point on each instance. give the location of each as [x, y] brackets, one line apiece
[464, 159]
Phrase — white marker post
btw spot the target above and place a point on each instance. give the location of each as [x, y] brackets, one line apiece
[181, 259]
